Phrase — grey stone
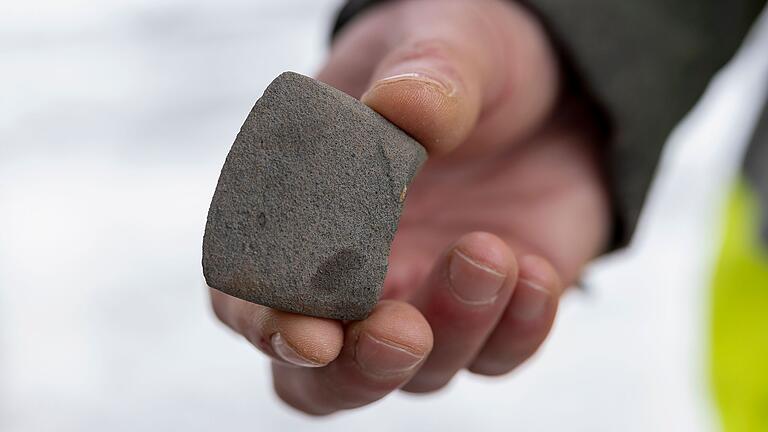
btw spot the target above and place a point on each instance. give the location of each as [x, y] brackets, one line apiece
[308, 202]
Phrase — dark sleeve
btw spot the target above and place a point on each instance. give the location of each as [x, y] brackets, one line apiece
[646, 63]
[756, 170]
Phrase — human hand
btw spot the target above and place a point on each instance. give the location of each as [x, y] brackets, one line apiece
[506, 213]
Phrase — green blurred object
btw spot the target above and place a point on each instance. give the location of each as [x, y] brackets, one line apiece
[740, 318]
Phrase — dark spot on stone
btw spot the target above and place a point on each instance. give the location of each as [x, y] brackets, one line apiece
[262, 220]
[338, 271]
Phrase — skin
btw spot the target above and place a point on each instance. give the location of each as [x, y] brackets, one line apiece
[505, 214]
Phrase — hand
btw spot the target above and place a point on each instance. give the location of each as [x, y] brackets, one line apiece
[507, 211]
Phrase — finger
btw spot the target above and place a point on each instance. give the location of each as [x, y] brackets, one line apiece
[526, 321]
[380, 354]
[463, 299]
[447, 65]
[287, 337]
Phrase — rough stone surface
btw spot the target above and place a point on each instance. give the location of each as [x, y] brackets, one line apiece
[308, 202]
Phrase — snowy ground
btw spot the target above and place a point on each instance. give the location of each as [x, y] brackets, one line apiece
[115, 118]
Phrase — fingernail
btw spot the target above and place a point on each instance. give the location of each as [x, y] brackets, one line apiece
[443, 85]
[289, 354]
[471, 282]
[383, 358]
[529, 300]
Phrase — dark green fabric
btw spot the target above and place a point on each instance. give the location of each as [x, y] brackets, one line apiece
[646, 62]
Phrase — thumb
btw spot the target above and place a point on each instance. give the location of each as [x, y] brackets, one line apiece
[431, 83]
[445, 70]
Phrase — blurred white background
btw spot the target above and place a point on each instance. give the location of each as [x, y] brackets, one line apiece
[115, 118]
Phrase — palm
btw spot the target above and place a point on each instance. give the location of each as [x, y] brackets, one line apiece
[542, 196]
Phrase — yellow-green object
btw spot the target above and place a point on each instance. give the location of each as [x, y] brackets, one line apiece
[740, 319]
